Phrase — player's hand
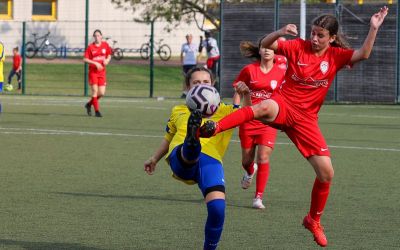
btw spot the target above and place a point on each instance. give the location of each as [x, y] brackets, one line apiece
[290, 29]
[208, 129]
[150, 166]
[377, 18]
[241, 88]
[99, 66]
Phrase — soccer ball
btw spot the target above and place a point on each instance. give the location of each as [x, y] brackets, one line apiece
[204, 98]
[8, 87]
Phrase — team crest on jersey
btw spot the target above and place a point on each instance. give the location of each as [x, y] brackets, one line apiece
[324, 66]
[273, 84]
[103, 51]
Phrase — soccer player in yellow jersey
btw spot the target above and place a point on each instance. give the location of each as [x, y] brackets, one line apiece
[195, 160]
[2, 58]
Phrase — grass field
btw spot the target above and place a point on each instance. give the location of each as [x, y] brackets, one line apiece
[75, 182]
[127, 80]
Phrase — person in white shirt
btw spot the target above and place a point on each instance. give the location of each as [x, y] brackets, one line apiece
[213, 55]
[189, 53]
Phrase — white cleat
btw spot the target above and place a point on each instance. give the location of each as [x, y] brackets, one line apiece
[247, 179]
[257, 203]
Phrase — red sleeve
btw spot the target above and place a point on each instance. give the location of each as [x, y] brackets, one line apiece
[289, 48]
[17, 62]
[108, 50]
[243, 76]
[87, 53]
[342, 57]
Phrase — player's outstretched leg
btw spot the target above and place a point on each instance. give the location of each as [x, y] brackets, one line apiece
[191, 147]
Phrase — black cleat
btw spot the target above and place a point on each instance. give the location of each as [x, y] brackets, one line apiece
[208, 129]
[88, 109]
[193, 126]
[98, 114]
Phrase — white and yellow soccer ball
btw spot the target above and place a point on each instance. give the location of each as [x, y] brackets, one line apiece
[204, 98]
[8, 87]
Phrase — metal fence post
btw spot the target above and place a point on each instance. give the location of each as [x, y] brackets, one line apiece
[85, 70]
[220, 35]
[276, 16]
[335, 82]
[151, 58]
[23, 58]
[397, 54]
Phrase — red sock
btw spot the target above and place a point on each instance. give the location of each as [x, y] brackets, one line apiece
[319, 196]
[238, 117]
[95, 103]
[249, 168]
[262, 178]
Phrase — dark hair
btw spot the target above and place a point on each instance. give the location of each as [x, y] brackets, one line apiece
[197, 69]
[331, 24]
[250, 50]
[94, 32]
[16, 48]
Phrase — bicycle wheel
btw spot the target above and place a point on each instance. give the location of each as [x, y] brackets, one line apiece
[49, 51]
[145, 51]
[118, 54]
[30, 49]
[164, 52]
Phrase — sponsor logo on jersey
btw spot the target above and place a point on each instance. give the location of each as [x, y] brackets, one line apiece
[324, 66]
[262, 94]
[309, 81]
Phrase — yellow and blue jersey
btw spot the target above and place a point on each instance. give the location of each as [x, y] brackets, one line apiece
[2, 58]
[177, 127]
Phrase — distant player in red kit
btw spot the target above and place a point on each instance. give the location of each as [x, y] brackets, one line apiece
[262, 77]
[98, 56]
[312, 66]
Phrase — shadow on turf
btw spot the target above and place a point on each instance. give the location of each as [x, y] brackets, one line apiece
[32, 245]
[143, 197]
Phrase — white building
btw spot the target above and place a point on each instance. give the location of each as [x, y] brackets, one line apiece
[65, 19]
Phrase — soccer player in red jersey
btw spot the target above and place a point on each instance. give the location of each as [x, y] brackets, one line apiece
[262, 77]
[16, 68]
[312, 66]
[98, 56]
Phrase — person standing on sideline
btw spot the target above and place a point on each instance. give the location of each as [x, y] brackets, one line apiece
[312, 66]
[189, 53]
[16, 68]
[2, 58]
[98, 56]
[213, 55]
[198, 161]
[262, 77]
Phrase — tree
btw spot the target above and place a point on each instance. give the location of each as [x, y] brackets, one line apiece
[174, 11]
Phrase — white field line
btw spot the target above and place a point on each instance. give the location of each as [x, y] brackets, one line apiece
[33, 131]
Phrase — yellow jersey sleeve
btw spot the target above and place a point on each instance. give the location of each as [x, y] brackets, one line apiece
[2, 56]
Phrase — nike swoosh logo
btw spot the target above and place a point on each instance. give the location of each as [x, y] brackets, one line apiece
[301, 64]
[319, 213]
[324, 149]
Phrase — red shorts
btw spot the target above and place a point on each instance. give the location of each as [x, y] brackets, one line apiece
[97, 79]
[302, 130]
[212, 61]
[266, 137]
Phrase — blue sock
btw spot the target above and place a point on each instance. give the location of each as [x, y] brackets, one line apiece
[214, 224]
[191, 152]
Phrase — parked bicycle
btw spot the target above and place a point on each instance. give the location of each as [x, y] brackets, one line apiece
[163, 50]
[116, 53]
[48, 50]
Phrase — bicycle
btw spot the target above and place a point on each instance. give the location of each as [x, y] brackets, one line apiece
[163, 50]
[48, 50]
[116, 53]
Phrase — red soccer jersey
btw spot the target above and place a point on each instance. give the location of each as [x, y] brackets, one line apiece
[308, 76]
[97, 54]
[16, 62]
[281, 61]
[261, 85]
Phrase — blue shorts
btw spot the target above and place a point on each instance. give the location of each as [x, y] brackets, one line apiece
[1, 86]
[207, 172]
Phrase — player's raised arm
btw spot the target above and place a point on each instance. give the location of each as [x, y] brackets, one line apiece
[270, 41]
[375, 22]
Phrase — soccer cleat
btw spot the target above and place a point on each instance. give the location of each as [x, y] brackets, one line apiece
[193, 127]
[316, 229]
[98, 114]
[208, 129]
[257, 203]
[88, 109]
[247, 179]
